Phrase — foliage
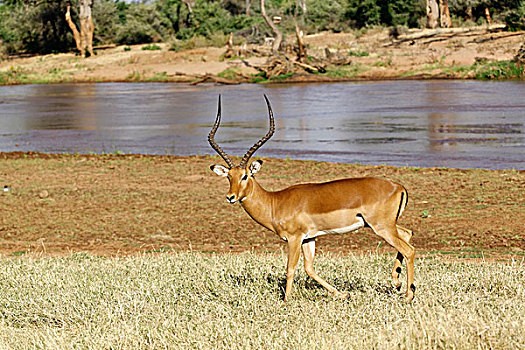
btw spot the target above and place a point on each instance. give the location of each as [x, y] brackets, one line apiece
[151, 47]
[106, 18]
[27, 26]
[499, 70]
[35, 29]
[345, 72]
[515, 18]
[358, 53]
[143, 24]
[326, 15]
[382, 12]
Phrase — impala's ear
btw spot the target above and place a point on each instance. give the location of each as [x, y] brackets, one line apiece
[220, 170]
[255, 166]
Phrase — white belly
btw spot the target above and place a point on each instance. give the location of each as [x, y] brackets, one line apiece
[347, 229]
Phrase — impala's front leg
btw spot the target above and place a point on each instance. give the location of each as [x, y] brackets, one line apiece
[309, 253]
[294, 252]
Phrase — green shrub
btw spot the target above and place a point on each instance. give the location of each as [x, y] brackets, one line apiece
[151, 47]
[358, 53]
[499, 70]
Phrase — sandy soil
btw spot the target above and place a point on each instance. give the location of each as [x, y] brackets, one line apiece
[109, 204]
[416, 54]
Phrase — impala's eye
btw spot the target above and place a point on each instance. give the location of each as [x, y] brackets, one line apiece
[244, 178]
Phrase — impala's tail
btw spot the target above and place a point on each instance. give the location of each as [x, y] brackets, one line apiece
[402, 203]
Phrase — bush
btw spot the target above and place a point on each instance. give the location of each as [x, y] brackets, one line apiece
[515, 19]
[499, 70]
[152, 47]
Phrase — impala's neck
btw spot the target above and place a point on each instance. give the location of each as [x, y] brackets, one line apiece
[259, 205]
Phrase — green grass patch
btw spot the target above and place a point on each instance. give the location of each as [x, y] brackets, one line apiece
[484, 70]
[229, 73]
[158, 76]
[358, 53]
[499, 70]
[151, 47]
[17, 75]
[207, 301]
[282, 77]
[350, 71]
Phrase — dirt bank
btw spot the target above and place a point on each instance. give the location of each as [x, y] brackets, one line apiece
[111, 204]
[374, 54]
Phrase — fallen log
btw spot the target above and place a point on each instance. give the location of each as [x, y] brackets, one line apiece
[448, 32]
[309, 68]
[210, 78]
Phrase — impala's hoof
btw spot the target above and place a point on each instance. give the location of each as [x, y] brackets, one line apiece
[397, 285]
[341, 295]
[410, 293]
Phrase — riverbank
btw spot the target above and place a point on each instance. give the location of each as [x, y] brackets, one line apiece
[373, 54]
[125, 204]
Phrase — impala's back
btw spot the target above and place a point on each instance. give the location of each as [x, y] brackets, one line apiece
[339, 206]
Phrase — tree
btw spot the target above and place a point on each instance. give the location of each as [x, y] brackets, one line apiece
[444, 14]
[432, 14]
[278, 35]
[27, 26]
[84, 38]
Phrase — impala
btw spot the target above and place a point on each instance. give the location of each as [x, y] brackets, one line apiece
[300, 213]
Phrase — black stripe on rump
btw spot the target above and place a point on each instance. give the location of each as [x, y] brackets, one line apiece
[400, 204]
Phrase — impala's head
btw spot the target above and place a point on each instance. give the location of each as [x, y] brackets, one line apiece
[241, 180]
[240, 176]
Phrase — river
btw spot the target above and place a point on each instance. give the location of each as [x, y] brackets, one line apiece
[458, 124]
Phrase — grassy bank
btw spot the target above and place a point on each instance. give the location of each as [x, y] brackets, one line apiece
[202, 301]
[482, 70]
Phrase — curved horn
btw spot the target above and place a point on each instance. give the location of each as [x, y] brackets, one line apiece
[211, 138]
[261, 142]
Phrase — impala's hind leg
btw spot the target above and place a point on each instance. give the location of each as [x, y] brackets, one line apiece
[391, 234]
[309, 253]
[405, 234]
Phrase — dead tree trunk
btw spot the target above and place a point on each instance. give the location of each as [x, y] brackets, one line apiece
[301, 50]
[278, 36]
[248, 6]
[302, 5]
[432, 14]
[487, 16]
[84, 38]
[468, 13]
[444, 14]
[230, 52]
[86, 26]
[73, 27]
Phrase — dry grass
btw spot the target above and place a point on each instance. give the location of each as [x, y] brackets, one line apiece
[225, 301]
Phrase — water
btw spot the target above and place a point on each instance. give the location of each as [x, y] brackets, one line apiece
[459, 124]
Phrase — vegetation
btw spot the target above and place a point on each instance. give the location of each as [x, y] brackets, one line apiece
[200, 301]
[40, 27]
[151, 47]
[484, 70]
[499, 70]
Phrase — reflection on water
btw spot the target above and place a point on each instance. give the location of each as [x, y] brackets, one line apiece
[417, 123]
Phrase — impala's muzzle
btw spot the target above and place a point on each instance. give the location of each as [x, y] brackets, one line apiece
[231, 199]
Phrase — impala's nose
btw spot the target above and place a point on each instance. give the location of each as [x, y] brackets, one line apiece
[231, 199]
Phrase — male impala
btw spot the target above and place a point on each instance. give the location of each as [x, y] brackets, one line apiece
[300, 213]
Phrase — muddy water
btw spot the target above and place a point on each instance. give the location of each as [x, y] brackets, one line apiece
[460, 124]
